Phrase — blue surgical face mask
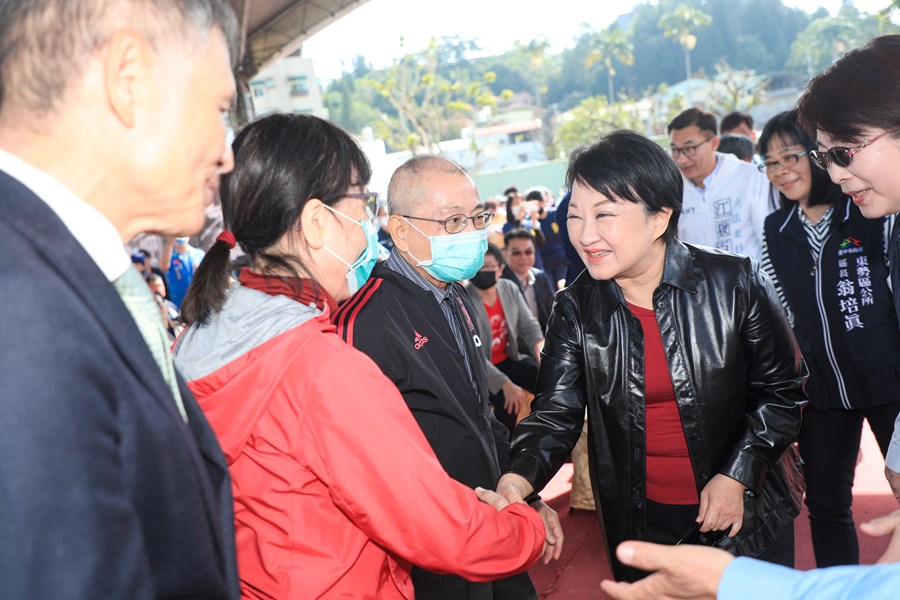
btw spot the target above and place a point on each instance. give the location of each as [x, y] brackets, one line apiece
[361, 268]
[182, 240]
[456, 256]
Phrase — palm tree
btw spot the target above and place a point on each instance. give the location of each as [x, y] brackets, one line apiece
[680, 23]
[611, 44]
[535, 51]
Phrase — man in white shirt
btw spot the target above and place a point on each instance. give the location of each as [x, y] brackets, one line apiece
[112, 484]
[725, 199]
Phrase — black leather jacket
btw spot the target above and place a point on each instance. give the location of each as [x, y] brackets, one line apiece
[738, 380]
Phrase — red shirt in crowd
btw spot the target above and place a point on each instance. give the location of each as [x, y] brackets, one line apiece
[499, 331]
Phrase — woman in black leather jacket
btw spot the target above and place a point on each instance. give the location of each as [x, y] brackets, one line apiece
[685, 362]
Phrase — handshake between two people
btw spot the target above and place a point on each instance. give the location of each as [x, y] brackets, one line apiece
[514, 488]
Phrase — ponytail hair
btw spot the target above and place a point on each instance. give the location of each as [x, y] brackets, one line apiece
[281, 162]
[206, 293]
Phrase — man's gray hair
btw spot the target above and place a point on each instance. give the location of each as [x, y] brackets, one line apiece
[407, 188]
[46, 44]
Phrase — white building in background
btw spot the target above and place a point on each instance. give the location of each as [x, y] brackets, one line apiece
[288, 86]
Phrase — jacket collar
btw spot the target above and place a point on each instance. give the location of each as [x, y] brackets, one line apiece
[678, 272]
[840, 214]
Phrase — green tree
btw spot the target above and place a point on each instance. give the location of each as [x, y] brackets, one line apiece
[612, 45]
[827, 38]
[734, 89]
[412, 87]
[429, 104]
[890, 10]
[594, 117]
[680, 24]
[533, 67]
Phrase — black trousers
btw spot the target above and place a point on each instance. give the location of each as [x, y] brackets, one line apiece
[523, 373]
[829, 445]
[668, 524]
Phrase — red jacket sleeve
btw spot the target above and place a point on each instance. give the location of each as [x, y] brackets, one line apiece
[384, 476]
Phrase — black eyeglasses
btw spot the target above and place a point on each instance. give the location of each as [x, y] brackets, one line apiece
[842, 157]
[688, 151]
[696, 537]
[457, 223]
[370, 198]
[785, 162]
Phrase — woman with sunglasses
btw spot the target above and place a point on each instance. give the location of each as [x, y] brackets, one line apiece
[686, 366]
[854, 110]
[336, 490]
[827, 262]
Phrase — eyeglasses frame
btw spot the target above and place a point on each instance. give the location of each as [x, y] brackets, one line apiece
[465, 221]
[824, 159]
[371, 199]
[764, 167]
[688, 151]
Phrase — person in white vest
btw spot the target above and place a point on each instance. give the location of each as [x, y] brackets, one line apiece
[725, 199]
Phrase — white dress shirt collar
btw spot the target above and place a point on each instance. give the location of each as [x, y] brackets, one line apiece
[92, 230]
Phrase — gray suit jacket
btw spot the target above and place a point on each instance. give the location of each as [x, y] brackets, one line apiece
[521, 323]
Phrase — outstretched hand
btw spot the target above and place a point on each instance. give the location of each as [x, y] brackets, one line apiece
[680, 572]
[887, 524]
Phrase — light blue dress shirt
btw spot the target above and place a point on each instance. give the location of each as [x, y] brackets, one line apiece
[746, 578]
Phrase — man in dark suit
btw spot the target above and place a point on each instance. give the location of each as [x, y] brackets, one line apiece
[112, 484]
[539, 291]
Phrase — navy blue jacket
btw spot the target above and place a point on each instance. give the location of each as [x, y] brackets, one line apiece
[844, 317]
[105, 491]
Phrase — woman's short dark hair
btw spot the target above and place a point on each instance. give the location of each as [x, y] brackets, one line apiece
[786, 128]
[861, 90]
[626, 165]
[280, 162]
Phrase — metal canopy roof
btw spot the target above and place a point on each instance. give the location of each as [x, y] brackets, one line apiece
[272, 29]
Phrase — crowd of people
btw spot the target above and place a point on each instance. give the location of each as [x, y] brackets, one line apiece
[368, 402]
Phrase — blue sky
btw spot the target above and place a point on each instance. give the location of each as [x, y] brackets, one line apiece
[375, 29]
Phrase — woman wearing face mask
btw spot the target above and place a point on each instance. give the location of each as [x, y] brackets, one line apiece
[336, 489]
[504, 318]
[685, 363]
[828, 265]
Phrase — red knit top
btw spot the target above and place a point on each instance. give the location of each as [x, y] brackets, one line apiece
[670, 475]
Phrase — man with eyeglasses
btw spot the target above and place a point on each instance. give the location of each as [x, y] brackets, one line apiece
[519, 251]
[725, 199]
[416, 322]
